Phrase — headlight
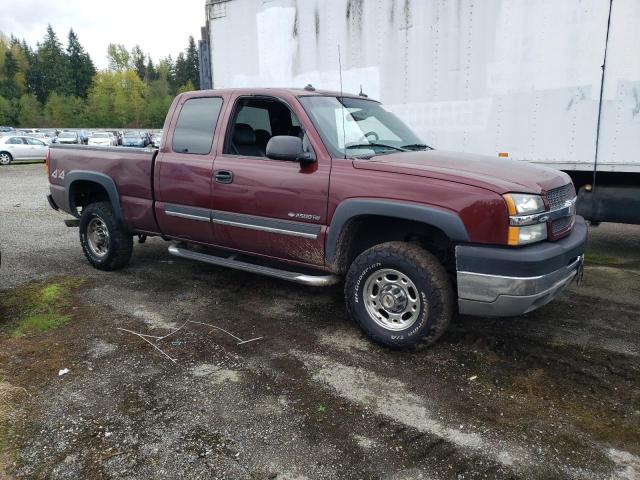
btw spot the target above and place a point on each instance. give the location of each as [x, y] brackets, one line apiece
[526, 218]
[523, 204]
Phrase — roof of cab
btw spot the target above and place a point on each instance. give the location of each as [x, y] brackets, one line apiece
[298, 92]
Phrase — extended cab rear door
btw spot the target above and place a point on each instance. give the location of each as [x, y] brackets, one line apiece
[184, 169]
[269, 207]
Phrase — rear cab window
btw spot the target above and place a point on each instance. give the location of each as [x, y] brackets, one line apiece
[196, 124]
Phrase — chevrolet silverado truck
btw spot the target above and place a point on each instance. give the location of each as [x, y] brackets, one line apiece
[316, 187]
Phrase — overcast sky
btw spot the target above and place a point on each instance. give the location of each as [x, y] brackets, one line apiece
[160, 28]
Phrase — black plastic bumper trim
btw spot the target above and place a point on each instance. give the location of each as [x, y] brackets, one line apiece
[52, 202]
[529, 261]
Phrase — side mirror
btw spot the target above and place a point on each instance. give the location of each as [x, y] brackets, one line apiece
[285, 147]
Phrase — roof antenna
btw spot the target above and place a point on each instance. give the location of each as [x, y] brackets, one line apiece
[344, 130]
[362, 94]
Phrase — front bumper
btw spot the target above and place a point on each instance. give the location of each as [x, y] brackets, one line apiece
[501, 282]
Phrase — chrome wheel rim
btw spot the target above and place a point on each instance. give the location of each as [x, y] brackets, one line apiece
[392, 299]
[98, 237]
[5, 159]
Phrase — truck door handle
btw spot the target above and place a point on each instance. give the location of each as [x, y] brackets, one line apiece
[223, 176]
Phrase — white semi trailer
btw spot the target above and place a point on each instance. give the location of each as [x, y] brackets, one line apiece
[522, 79]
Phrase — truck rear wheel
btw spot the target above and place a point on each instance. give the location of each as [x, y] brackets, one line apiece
[399, 294]
[105, 241]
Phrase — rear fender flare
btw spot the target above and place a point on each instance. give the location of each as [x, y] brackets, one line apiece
[447, 221]
[101, 179]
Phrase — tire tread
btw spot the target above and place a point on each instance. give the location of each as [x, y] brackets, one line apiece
[438, 285]
[120, 238]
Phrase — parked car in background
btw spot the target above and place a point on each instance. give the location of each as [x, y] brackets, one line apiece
[20, 147]
[40, 136]
[102, 139]
[68, 138]
[134, 139]
[156, 139]
[117, 137]
[49, 134]
[6, 129]
[84, 136]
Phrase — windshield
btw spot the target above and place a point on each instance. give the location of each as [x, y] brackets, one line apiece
[100, 135]
[359, 127]
[132, 135]
[67, 135]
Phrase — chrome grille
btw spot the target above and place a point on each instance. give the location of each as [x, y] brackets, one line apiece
[557, 196]
[556, 199]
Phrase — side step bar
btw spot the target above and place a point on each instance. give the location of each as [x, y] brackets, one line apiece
[296, 277]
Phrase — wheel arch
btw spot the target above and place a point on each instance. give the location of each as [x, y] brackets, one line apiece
[84, 187]
[358, 224]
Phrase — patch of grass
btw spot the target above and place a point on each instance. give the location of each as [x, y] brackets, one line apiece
[601, 259]
[38, 323]
[37, 307]
[50, 293]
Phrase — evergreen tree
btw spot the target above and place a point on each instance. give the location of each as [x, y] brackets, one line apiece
[33, 79]
[182, 74]
[192, 64]
[8, 88]
[138, 61]
[150, 73]
[81, 66]
[53, 66]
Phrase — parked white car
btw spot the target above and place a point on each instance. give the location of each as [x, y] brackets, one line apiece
[102, 139]
[21, 147]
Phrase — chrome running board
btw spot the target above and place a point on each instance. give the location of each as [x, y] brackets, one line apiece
[230, 262]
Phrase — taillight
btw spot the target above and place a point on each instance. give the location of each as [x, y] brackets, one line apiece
[46, 160]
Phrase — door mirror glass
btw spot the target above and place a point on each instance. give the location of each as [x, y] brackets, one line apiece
[286, 147]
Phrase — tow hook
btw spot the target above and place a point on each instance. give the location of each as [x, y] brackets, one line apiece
[142, 238]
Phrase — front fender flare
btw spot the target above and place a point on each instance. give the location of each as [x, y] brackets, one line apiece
[447, 221]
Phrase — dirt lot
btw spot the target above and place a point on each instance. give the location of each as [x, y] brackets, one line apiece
[555, 394]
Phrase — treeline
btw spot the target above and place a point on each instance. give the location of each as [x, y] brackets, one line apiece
[57, 86]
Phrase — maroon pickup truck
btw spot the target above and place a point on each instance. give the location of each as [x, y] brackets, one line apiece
[310, 187]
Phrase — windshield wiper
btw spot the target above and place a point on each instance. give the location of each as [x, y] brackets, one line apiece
[380, 145]
[420, 146]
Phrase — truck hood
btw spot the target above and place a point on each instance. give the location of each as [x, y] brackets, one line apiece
[496, 174]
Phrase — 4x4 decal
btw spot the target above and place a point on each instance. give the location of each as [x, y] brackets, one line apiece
[58, 174]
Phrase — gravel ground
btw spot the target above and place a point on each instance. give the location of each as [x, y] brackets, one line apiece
[553, 394]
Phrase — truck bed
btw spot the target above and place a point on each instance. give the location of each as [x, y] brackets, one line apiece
[129, 168]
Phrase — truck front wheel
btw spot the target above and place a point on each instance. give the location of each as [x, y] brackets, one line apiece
[399, 294]
[105, 241]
